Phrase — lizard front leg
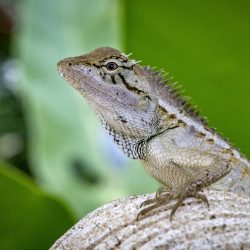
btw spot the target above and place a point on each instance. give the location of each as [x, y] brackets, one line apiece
[194, 169]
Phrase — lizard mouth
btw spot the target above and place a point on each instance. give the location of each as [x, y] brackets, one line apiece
[76, 80]
[88, 86]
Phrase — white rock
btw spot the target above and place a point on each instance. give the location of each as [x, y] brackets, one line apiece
[226, 225]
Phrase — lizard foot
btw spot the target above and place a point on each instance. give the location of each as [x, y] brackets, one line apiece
[161, 193]
[156, 204]
[163, 198]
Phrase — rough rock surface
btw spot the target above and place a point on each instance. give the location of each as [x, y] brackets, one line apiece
[226, 225]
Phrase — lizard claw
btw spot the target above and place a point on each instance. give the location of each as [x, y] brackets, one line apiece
[150, 208]
[161, 194]
[203, 198]
[148, 202]
[176, 206]
[199, 196]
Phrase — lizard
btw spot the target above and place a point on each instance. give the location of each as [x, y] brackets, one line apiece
[150, 120]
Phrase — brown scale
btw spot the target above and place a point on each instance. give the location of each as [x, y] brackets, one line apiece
[181, 123]
[210, 140]
[169, 120]
[200, 134]
[246, 171]
[227, 151]
[234, 160]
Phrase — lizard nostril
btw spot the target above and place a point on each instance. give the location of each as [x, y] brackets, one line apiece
[69, 63]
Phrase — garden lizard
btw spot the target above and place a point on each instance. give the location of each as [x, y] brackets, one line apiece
[149, 120]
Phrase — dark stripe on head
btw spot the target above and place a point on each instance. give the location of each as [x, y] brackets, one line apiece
[113, 79]
[97, 66]
[128, 86]
[125, 67]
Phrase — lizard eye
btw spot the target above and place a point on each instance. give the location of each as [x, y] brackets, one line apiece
[111, 66]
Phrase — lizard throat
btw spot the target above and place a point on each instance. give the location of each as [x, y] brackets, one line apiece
[133, 148]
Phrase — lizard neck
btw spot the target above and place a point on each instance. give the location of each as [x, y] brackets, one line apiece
[133, 147]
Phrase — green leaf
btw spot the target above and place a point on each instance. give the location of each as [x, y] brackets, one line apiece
[205, 46]
[29, 218]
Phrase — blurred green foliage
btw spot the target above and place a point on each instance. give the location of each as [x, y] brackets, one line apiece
[205, 45]
[25, 209]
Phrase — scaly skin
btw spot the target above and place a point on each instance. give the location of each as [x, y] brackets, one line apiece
[150, 121]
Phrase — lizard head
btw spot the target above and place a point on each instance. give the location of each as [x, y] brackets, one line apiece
[116, 87]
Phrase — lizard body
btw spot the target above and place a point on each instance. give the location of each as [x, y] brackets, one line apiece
[150, 121]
